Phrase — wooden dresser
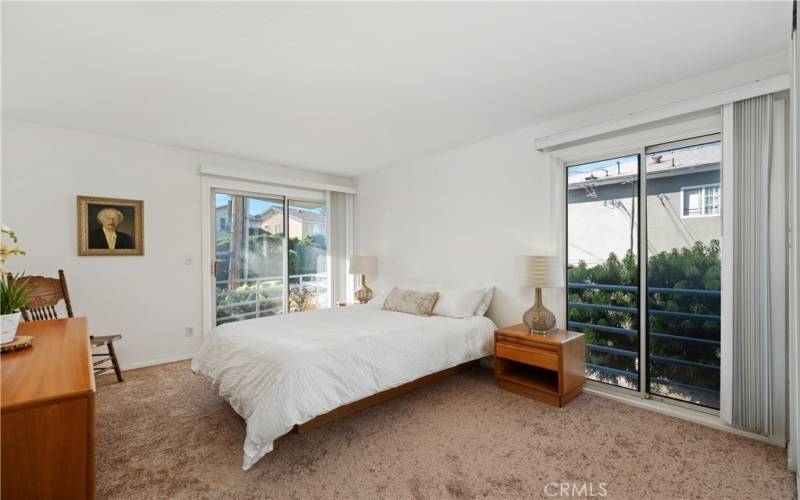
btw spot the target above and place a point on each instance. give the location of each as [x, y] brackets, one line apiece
[48, 420]
[550, 368]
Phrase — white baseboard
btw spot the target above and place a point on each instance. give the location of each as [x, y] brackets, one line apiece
[153, 362]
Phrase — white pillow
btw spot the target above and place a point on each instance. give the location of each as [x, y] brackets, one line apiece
[488, 294]
[457, 303]
[377, 299]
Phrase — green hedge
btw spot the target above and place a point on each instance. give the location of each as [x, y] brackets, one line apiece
[697, 268]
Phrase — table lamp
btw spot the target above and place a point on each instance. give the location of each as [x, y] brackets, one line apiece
[540, 271]
[363, 265]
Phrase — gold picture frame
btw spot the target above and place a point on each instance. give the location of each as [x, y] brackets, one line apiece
[121, 233]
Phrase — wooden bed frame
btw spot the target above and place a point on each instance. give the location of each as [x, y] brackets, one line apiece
[380, 397]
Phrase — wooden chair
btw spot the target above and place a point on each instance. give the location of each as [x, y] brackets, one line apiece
[44, 294]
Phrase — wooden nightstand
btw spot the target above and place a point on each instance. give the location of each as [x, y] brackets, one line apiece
[550, 368]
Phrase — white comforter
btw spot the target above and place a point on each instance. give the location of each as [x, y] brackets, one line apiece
[285, 370]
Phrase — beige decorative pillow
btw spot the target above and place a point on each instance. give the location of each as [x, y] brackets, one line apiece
[410, 301]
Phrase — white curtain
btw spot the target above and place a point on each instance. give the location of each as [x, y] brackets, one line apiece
[752, 336]
[340, 244]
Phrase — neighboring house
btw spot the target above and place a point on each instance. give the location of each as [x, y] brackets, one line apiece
[683, 205]
[302, 223]
[222, 220]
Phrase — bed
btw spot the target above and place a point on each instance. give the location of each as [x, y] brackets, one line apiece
[295, 370]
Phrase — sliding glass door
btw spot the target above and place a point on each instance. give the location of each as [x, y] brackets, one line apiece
[603, 266]
[248, 256]
[261, 244]
[684, 231]
[308, 256]
[651, 325]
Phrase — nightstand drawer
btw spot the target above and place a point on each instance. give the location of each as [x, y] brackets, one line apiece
[528, 355]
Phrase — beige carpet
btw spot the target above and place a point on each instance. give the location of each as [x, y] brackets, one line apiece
[164, 433]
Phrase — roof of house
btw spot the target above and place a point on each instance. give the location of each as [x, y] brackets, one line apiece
[664, 164]
[301, 215]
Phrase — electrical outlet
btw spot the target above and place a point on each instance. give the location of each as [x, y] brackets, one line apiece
[189, 331]
[188, 260]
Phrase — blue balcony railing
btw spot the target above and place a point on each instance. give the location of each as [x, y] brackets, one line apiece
[707, 395]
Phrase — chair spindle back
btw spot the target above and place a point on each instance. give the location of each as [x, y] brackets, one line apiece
[43, 295]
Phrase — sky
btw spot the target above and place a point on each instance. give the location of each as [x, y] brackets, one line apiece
[691, 155]
[258, 205]
[596, 165]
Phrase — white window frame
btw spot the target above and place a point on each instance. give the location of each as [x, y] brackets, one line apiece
[608, 137]
[702, 188]
[700, 129]
[208, 185]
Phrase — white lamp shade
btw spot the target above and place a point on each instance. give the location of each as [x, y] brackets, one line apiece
[363, 264]
[542, 271]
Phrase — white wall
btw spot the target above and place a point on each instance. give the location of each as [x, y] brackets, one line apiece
[460, 217]
[149, 299]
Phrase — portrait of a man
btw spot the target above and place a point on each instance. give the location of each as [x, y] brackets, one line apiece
[106, 235]
[108, 226]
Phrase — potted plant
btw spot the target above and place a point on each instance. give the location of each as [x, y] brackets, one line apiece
[12, 299]
[12, 290]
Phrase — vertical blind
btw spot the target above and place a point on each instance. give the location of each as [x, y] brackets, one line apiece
[340, 244]
[752, 329]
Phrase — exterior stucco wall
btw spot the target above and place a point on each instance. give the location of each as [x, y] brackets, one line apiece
[295, 226]
[666, 229]
[597, 226]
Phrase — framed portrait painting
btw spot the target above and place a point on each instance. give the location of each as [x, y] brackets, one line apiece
[110, 226]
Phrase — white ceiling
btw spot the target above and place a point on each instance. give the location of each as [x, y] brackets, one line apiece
[354, 87]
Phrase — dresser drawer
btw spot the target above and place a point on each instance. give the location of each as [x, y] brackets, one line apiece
[542, 358]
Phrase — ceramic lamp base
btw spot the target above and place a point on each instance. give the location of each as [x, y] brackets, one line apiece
[538, 318]
[364, 294]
